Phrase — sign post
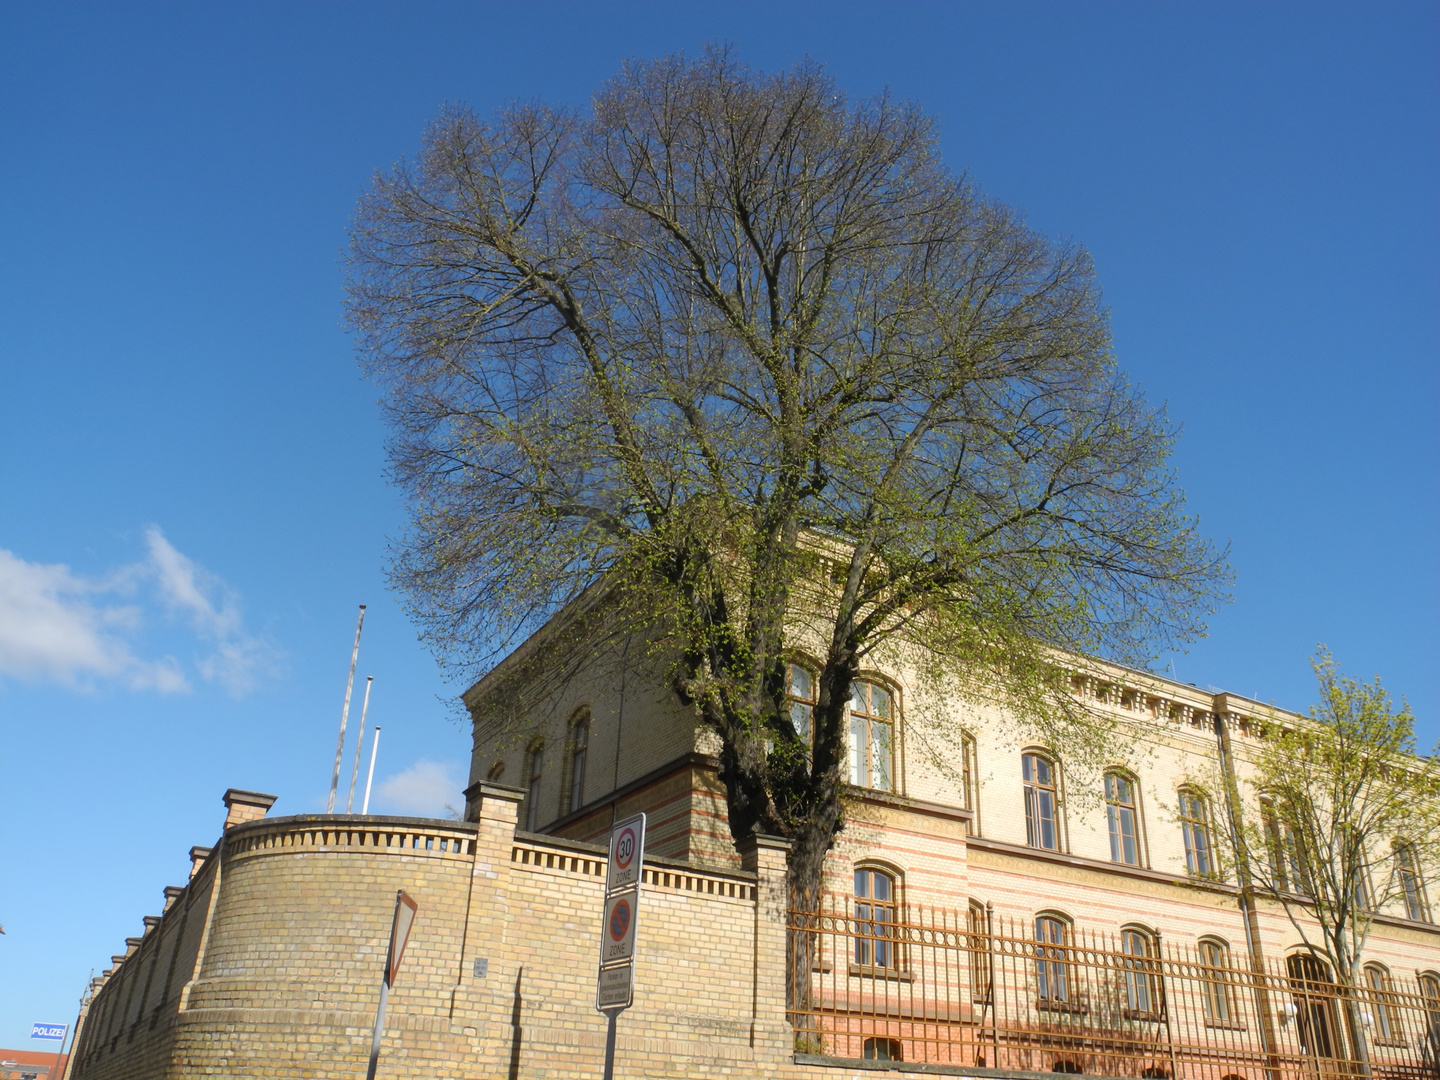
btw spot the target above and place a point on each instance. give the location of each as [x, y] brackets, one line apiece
[404, 919]
[51, 1031]
[615, 981]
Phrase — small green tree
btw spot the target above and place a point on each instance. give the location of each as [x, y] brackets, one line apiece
[1345, 823]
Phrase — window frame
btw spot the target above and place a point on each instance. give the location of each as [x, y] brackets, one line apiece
[1140, 947]
[877, 948]
[1412, 888]
[977, 927]
[1429, 984]
[534, 776]
[794, 700]
[1193, 813]
[1286, 862]
[1035, 792]
[970, 782]
[871, 720]
[577, 750]
[1116, 814]
[1380, 988]
[1217, 983]
[1052, 962]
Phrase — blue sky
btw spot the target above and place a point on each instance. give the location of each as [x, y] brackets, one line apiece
[192, 499]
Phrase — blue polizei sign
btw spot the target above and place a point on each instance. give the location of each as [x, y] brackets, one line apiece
[47, 1031]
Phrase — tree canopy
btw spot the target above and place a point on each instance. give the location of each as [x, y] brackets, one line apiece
[752, 353]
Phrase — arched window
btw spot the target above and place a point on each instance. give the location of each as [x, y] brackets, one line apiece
[872, 743]
[1314, 994]
[1217, 981]
[497, 772]
[1406, 870]
[535, 769]
[575, 765]
[1052, 976]
[977, 928]
[1121, 819]
[1141, 999]
[1195, 828]
[1287, 864]
[1381, 994]
[970, 798]
[875, 909]
[1041, 828]
[801, 693]
[1430, 991]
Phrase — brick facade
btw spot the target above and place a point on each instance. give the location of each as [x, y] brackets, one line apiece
[267, 962]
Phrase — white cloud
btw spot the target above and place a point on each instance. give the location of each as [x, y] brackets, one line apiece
[54, 629]
[425, 789]
[213, 610]
[60, 627]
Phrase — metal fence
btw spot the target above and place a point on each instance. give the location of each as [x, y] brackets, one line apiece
[964, 988]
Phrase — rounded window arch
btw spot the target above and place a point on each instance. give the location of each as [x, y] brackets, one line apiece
[871, 742]
[877, 913]
[576, 755]
[1141, 948]
[497, 771]
[970, 780]
[1217, 978]
[1040, 776]
[1407, 876]
[978, 918]
[1313, 995]
[534, 776]
[1194, 814]
[802, 689]
[1053, 931]
[1379, 1002]
[1122, 816]
[1430, 991]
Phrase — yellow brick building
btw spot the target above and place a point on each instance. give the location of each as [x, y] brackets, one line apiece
[983, 917]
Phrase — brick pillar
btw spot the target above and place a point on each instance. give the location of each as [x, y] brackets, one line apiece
[489, 957]
[198, 855]
[771, 1037]
[243, 806]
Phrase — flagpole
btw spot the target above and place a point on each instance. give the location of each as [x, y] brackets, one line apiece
[345, 713]
[359, 744]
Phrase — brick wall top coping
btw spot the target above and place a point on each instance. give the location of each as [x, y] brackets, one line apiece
[351, 821]
[601, 852]
[436, 825]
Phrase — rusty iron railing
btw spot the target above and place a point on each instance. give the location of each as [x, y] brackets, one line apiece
[964, 988]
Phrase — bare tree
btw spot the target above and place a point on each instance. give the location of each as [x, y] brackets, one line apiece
[752, 358]
[1345, 823]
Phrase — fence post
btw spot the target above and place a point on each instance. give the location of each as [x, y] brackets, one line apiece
[1165, 1006]
[990, 966]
